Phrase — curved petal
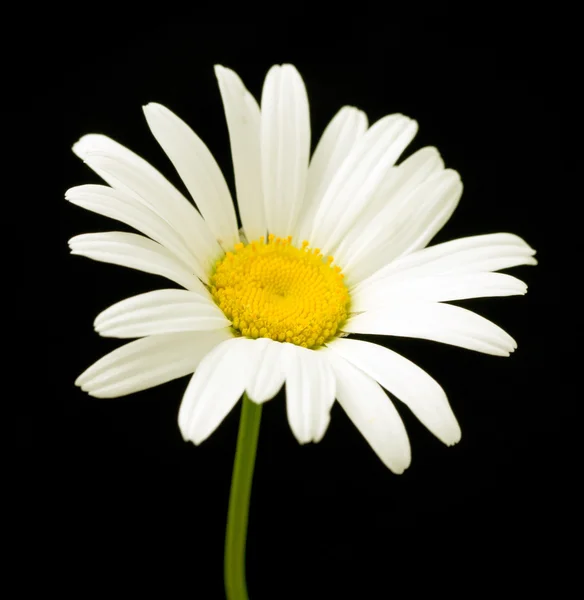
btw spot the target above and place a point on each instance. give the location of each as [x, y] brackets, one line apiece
[435, 288]
[285, 147]
[396, 187]
[490, 252]
[372, 412]
[160, 312]
[136, 252]
[122, 169]
[402, 180]
[199, 171]
[439, 322]
[269, 376]
[407, 226]
[215, 388]
[413, 386]
[337, 141]
[310, 392]
[358, 178]
[119, 205]
[148, 362]
[243, 121]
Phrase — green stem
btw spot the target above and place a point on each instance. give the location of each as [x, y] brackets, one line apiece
[237, 516]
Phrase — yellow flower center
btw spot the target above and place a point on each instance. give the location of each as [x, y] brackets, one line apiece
[282, 292]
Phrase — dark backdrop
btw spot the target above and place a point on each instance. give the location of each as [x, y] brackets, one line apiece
[136, 505]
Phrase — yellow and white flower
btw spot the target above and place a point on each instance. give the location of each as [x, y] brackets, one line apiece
[268, 304]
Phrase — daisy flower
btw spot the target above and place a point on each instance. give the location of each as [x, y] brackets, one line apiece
[330, 245]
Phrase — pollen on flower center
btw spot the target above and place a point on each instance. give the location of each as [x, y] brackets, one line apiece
[282, 292]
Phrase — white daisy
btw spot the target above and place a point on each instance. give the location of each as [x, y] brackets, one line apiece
[267, 304]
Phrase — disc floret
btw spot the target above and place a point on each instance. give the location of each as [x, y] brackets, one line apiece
[276, 290]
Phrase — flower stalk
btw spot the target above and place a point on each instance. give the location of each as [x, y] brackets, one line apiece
[238, 512]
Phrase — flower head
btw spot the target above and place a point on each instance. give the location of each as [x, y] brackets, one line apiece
[330, 245]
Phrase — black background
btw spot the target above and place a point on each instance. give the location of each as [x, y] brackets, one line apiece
[136, 506]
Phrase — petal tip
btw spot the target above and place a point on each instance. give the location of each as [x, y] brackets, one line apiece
[182, 428]
[83, 147]
[79, 148]
[152, 108]
[454, 438]
[399, 469]
[290, 68]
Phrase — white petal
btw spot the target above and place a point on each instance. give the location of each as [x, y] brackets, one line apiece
[243, 121]
[358, 178]
[400, 181]
[216, 386]
[199, 171]
[490, 252]
[337, 141]
[413, 386]
[427, 210]
[148, 362]
[435, 288]
[160, 312]
[122, 206]
[372, 412]
[310, 392]
[439, 322]
[269, 376]
[407, 226]
[285, 147]
[136, 252]
[122, 169]
[377, 220]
